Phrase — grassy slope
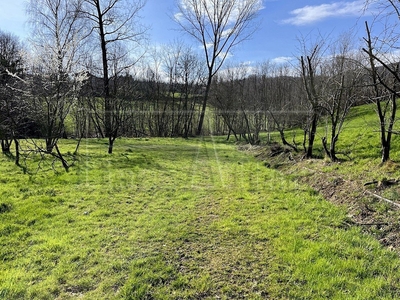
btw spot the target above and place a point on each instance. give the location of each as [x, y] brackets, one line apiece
[359, 147]
[177, 219]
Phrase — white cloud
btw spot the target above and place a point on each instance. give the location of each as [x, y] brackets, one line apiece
[233, 10]
[283, 59]
[178, 17]
[311, 14]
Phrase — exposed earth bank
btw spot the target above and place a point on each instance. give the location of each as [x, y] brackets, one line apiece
[372, 204]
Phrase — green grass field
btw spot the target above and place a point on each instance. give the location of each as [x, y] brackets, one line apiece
[180, 219]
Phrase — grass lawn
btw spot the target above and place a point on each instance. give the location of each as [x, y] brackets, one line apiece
[179, 219]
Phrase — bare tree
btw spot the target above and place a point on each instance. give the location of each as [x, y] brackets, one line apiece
[55, 76]
[282, 99]
[310, 71]
[57, 35]
[343, 86]
[228, 96]
[386, 8]
[154, 109]
[238, 96]
[252, 108]
[185, 75]
[218, 25]
[384, 70]
[14, 112]
[10, 62]
[113, 23]
[383, 65]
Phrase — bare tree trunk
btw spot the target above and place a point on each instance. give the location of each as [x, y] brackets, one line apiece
[106, 79]
[284, 141]
[311, 135]
[50, 142]
[17, 154]
[113, 22]
[308, 74]
[386, 142]
[60, 157]
[110, 145]
[6, 145]
[204, 106]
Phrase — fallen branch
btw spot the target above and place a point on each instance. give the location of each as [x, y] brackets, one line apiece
[276, 152]
[371, 182]
[384, 199]
[373, 224]
[383, 182]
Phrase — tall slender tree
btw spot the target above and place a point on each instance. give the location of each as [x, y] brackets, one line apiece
[381, 46]
[218, 25]
[311, 86]
[113, 23]
[384, 87]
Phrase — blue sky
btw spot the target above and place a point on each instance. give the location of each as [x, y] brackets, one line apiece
[281, 23]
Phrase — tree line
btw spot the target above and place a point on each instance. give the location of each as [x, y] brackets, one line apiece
[86, 74]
